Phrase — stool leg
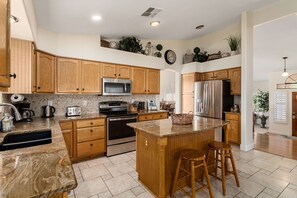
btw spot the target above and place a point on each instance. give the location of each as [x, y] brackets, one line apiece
[193, 179]
[208, 180]
[223, 172]
[207, 159]
[234, 168]
[176, 177]
[216, 162]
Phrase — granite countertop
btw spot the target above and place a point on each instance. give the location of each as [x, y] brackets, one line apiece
[38, 171]
[151, 112]
[165, 128]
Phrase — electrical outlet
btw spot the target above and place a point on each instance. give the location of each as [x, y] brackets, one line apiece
[50, 103]
[85, 102]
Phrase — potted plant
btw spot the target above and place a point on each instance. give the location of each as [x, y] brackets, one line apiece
[130, 44]
[234, 44]
[261, 102]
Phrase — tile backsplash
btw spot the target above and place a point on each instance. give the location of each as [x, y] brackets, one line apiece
[60, 102]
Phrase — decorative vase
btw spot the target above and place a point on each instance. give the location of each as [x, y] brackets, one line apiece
[233, 53]
[263, 122]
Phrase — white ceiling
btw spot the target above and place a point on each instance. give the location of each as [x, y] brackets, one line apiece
[272, 41]
[122, 17]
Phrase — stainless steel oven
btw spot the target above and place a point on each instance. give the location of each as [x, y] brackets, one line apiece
[120, 137]
[116, 87]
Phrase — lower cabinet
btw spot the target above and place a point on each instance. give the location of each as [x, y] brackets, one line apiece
[234, 131]
[84, 138]
[153, 116]
[61, 195]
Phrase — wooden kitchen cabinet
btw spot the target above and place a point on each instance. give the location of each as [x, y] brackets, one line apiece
[235, 81]
[109, 70]
[5, 44]
[145, 81]
[235, 129]
[90, 138]
[153, 116]
[21, 64]
[207, 76]
[220, 75]
[123, 72]
[188, 81]
[187, 103]
[68, 75]
[67, 131]
[45, 73]
[90, 77]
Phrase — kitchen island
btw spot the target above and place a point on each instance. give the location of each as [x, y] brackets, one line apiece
[159, 142]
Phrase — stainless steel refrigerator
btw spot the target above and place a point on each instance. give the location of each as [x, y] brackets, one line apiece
[212, 98]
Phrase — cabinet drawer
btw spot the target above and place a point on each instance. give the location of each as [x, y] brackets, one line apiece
[90, 148]
[92, 133]
[145, 117]
[66, 125]
[158, 116]
[230, 116]
[90, 123]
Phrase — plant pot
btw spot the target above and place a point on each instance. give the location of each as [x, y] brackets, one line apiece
[263, 122]
[234, 53]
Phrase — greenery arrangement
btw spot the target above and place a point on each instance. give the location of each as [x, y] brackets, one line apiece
[261, 102]
[234, 42]
[199, 56]
[130, 44]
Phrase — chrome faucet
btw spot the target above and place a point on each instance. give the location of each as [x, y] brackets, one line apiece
[16, 112]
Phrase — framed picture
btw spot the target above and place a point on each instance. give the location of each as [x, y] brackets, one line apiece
[4, 43]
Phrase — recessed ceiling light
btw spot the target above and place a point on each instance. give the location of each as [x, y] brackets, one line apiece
[13, 19]
[154, 23]
[96, 18]
[199, 27]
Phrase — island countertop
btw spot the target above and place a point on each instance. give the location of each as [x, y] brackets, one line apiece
[164, 128]
[38, 171]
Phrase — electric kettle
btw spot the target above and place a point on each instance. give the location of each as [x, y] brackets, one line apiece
[48, 111]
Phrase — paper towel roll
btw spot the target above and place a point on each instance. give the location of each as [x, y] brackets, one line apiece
[17, 98]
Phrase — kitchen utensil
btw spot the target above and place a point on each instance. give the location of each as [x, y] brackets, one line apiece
[48, 111]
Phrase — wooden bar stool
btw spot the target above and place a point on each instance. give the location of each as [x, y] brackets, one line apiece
[225, 152]
[197, 160]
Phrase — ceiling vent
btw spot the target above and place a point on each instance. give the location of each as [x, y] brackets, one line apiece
[151, 12]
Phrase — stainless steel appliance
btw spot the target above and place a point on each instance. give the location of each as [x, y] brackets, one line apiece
[151, 105]
[212, 98]
[26, 113]
[116, 87]
[48, 111]
[120, 137]
[73, 111]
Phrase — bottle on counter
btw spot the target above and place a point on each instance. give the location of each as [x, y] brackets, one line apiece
[7, 122]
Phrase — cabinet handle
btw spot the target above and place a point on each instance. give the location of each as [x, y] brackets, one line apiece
[148, 91]
[12, 75]
[91, 144]
[119, 74]
[83, 89]
[145, 90]
[91, 123]
[38, 87]
[77, 89]
[115, 74]
[145, 117]
[91, 130]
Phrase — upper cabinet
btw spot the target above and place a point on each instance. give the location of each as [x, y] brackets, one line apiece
[68, 75]
[188, 81]
[90, 77]
[215, 75]
[22, 58]
[235, 80]
[4, 43]
[45, 73]
[145, 81]
[116, 71]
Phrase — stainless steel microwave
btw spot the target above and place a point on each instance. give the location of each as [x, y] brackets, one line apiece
[116, 87]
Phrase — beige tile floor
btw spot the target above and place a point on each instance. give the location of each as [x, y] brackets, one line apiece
[261, 175]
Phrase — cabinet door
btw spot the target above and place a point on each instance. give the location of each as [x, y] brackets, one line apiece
[123, 72]
[207, 76]
[220, 75]
[68, 138]
[68, 75]
[90, 77]
[138, 80]
[187, 103]
[153, 81]
[33, 68]
[188, 81]
[234, 132]
[21, 66]
[109, 70]
[45, 71]
[235, 81]
[4, 43]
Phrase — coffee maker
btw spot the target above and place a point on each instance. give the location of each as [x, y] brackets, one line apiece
[25, 111]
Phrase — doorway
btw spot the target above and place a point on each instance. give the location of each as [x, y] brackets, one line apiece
[294, 114]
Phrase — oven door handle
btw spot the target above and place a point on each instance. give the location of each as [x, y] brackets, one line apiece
[119, 119]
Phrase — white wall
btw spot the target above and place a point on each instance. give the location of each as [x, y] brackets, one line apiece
[260, 85]
[282, 129]
[167, 89]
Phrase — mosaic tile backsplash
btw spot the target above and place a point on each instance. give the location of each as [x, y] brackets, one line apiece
[60, 102]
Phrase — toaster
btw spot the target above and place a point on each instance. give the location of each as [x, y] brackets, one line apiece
[73, 111]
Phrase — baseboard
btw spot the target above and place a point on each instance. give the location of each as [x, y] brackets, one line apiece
[248, 147]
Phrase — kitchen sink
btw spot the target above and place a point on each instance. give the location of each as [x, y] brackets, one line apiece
[22, 140]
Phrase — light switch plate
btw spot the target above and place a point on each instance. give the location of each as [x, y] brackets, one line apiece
[50, 103]
[85, 102]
